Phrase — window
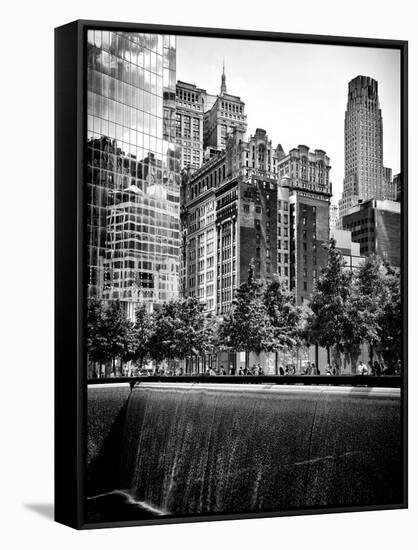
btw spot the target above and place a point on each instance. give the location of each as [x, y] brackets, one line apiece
[246, 208]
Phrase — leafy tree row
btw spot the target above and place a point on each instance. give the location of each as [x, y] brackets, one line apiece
[178, 329]
[263, 317]
[346, 309]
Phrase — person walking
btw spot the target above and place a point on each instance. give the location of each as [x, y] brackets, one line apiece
[377, 371]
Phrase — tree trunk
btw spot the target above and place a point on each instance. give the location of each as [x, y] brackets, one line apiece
[114, 365]
[316, 358]
[328, 356]
[247, 359]
[276, 362]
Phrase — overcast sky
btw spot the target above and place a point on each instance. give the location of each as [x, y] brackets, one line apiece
[297, 92]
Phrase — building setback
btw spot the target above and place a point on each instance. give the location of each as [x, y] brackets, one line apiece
[133, 168]
[349, 249]
[376, 225]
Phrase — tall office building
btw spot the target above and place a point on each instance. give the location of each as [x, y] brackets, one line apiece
[376, 226]
[190, 104]
[223, 114]
[306, 174]
[133, 172]
[364, 171]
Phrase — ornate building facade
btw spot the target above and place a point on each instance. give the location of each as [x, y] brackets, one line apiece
[190, 105]
[239, 198]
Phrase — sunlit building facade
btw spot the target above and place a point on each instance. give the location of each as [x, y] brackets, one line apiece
[190, 103]
[133, 168]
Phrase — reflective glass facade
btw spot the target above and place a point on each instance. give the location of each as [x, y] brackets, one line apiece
[133, 167]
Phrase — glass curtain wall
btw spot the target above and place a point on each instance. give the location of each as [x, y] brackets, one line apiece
[133, 168]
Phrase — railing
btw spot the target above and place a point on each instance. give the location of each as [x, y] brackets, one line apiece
[305, 380]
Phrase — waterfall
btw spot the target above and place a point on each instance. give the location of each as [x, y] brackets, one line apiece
[208, 448]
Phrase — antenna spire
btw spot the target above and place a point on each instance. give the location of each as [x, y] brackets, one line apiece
[223, 79]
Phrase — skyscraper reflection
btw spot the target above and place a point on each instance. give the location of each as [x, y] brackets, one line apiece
[133, 168]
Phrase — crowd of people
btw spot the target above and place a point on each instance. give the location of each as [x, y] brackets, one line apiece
[379, 368]
[375, 368]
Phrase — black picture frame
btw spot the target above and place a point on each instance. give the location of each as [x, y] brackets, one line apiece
[70, 288]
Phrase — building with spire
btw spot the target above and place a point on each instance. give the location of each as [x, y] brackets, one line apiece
[224, 113]
[365, 176]
[223, 79]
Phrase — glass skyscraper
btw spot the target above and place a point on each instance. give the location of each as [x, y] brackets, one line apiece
[133, 168]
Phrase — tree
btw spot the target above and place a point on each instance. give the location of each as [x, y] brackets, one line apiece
[139, 336]
[247, 327]
[116, 328]
[181, 328]
[378, 302]
[390, 322]
[333, 320]
[284, 315]
[96, 337]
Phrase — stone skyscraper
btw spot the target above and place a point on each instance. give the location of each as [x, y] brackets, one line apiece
[364, 170]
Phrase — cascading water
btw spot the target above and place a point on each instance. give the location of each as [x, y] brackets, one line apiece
[206, 448]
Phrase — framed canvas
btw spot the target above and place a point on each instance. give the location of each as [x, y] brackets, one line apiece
[230, 274]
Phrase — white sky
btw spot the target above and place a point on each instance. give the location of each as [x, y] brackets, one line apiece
[297, 92]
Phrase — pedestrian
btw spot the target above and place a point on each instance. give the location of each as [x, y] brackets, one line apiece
[240, 372]
[377, 371]
[362, 369]
[281, 371]
[328, 370]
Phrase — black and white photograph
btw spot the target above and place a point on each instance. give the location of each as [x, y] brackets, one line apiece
[243, 251]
